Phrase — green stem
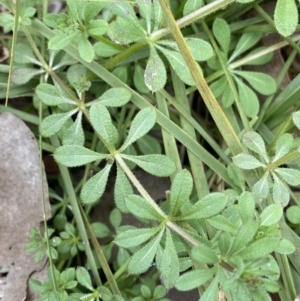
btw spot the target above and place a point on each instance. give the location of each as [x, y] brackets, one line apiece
[288, 157]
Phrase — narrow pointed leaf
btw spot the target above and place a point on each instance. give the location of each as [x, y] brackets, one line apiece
[158, 165]
[220, 222]
[227, 97]
[85, 48]
[181, 189]
[224, 243]
[246, 161]
[271, 215]
[145, 7]
[192, 5]
[291, 176]
[122, 9]
[155, 74]
[286, 17]
[122, 189]
[60, 41]
[218, 87]
[141, 208]
[94, 188]
[75, 135]
[138, 79]
[255, 142]
[170, 264]
[75, 155]
[204, 254]
[222, 33]
[53, 123]
[246, 206]
[136, 237]
[260, 189]
[283, 145]
[281, 194]
[140, 126]
[211, 291]
[141, 261]
[114, 97]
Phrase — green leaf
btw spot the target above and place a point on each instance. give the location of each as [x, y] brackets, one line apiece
[170, 264]
[246, 206]
[260, 248]
[60, 41]
[135, 237]
[293, 214]
[146, 292]
[94, 188]
[286, 17]
[224, 243]
[75, 135]
[102, 123]
[140, 126]
[291, 176]
[244, 236]
[103, 49]
[271, 215]
[261, 59]
[53, 123]
[155, 74]
[141, 260]
[192, 5]
[92, 9]
[222, 33]
[211, 291]
[100, 230]
[218, 87]
[193, 279]
[75, 155]
[260, 189]
[208, 206]
[248, 98]
[281, 194]
[149, 145]
[159, 292]
[283, 145]
[115, 218]
[122, 189]
[157, 165]
[220, 222]
[246, 161]
[263, 83]
[178, 64]
[21, 76]
[138, 79]
[49, 95]
[145, 9]
[181, 189]
[83, 277]
[141, 208]
[157, 15]
[296, 119]
[285, 247]
[254, 141]
[246, 41]
[123, 10]
[85, 48]
[115, 97]
[228, 97]
[97, 27]
[200, 49]
[204, 254]
[24, 55]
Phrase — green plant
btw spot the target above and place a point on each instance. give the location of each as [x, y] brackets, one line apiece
[107, 78]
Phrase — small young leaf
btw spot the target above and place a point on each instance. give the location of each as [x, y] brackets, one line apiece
[291, 176]
[146, 292]
[260, 189]
[149, 145]
[53, 123]
[283, 145]
[122, 189]
[75, 155]
[192, 5]
[123, 10]
[138, 79]
[94, 188]
[60, 41]
[293, 214]
[200, 49]
[83, 277]
[222, 33]
[106, 50]
[254, 141]
[50, 96]
[157, 165]
[271, 215]
[97, 27]
[85, 48]
[285, 247]
[145, 8]
[260, 248]
[246, 41]
[296, 119]
[246, 206]
[141, 261]
[135, 237]
[248, 98]
[114, 97]
[141, 208]
[208, 206]
[157, 14]
[170, 264]
[263, 83]
[281, 194]
[155, 74]
[178, 64]
[100, 230]
[75, 135]
[193, 279]
[204, 254]
[181, 189]
[246, 161]
[224, 243]
[92, 9]
[102, 123]
[286, 17]
[140, 126]
[220, 222]
[159, 292]
[244, 236]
